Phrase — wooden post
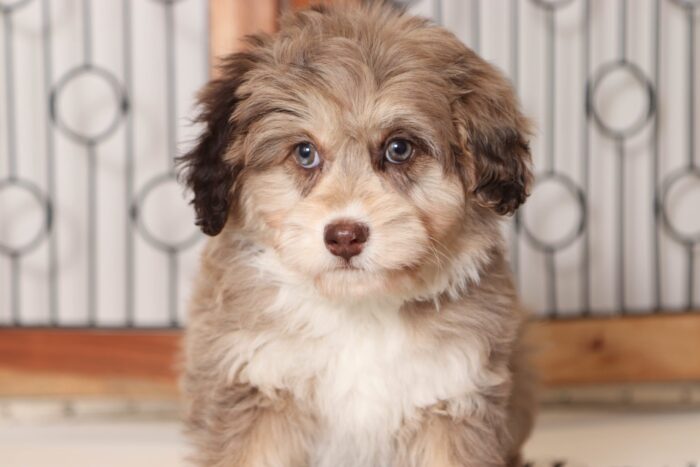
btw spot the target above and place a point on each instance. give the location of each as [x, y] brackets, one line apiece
[231, 20]
[62, 362]
[660, 347]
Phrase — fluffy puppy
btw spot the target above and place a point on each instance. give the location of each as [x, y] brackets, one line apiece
[354, 307]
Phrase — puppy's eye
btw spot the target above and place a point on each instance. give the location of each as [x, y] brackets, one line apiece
[398, 151]
[307, 156]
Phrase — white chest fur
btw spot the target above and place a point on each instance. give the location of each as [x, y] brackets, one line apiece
[362, 369]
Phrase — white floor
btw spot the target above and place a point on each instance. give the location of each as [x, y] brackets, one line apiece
[590, 439]
[618, 439]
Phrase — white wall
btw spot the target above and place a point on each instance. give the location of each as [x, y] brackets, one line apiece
[86, 104]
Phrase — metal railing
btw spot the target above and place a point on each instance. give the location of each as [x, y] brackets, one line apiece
[560, 115]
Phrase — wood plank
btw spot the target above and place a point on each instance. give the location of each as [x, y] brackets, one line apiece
[34, 383]
[91, 352]
[656, 348]
[231, 20]
[661, 347]
[297, 4]
[53, 361]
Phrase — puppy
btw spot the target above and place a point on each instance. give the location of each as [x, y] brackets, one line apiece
[354, 306]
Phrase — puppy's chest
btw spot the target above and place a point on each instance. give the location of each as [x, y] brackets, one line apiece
[364, 375]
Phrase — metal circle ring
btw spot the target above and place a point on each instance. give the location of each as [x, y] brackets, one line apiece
[576, 232]
[672, 179]
[136, 217]
[9, 7]
[552, 4]
[641, 78]
[119, 96]
[43, 202]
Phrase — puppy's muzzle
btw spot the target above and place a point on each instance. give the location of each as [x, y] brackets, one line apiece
[346, 238]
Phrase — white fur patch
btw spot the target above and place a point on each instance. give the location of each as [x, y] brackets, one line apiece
[358, 365]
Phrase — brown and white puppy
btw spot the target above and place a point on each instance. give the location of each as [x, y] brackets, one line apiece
[354, 307]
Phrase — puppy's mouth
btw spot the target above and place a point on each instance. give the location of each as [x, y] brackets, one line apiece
[343, 269]
[346, 266]
[348, 281]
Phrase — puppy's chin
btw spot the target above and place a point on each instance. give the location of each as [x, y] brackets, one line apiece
[348, 284]
[355, 284]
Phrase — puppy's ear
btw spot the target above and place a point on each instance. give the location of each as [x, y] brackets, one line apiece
[205, 169]
[495, 133]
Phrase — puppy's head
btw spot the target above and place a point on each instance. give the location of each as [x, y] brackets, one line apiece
[369, 150]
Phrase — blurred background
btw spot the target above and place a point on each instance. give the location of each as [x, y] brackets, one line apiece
[98, 246]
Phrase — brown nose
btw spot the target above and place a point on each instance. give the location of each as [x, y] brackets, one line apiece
[346, 238]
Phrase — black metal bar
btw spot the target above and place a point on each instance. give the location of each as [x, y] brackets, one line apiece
[10, 96]
[551, 79]
[690, 253]
[476, 25]
[129, 265]
[623, 30]
[171, 104]
[515, 76]
[621, 188]
[655, 169]
[50, 163]
[87, 33]
[621, 225]
[15, 291]
[171, 118]
[514, 43]
[690, 249]
[92, 234]
[207, 44]
[551, 142]
[550, 265]
[437, 12]
[691, 87]
[173, 273]
[585, 161]
[15, 260]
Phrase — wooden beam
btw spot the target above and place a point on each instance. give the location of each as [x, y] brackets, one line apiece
[662, 347]
[298, 4]
[231, 20]
[655, 348]
[306, 3]
[54, 361]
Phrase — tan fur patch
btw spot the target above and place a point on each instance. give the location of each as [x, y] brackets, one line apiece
[408, 353]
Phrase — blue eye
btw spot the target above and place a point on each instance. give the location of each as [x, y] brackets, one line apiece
[307, 156]
[398, 151]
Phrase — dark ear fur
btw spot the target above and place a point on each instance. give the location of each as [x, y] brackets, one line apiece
[503, 168]
[204, 168]
[495, 132]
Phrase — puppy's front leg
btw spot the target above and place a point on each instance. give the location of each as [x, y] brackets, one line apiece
[241, 427]
[442, 439]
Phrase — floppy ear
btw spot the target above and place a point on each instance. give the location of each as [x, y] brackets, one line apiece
[205, 169]
[495, 133]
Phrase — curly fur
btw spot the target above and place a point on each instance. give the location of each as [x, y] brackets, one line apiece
[409, 354]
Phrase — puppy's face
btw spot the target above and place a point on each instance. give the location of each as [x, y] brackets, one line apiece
[365, 147]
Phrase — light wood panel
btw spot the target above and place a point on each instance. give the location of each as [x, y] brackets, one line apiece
[51, 362]
[231, 20]
[655, 348]
[297, 4]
